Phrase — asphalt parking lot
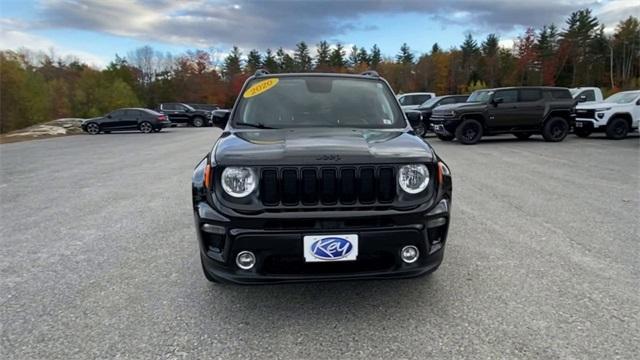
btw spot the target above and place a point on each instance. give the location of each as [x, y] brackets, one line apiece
[98, 259]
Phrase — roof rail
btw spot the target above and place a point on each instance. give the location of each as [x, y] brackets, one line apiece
[372, 73]
[261, 72]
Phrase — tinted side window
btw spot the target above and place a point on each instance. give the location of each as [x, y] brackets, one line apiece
[419, 99]
[560, 94]
[404, 100]
[530, 95]
[460, 99]
[589, 95]
[168, 106]
[446, 101]
[116, 113]
[508, 96]
[132, 113]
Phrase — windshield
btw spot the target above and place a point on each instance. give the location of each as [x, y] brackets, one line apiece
[479, 96]
[574, 92]
[312, 101]
[430, 102]
[623, 97]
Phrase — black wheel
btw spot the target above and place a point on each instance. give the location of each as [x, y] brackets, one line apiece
[617, 129]
[445, 137]
[555, 130]
[146, 127]
[209, 277]
[197, 121]
[469, 132]
[93, 128]
[583, 133]
[420, 130]
[522, 135]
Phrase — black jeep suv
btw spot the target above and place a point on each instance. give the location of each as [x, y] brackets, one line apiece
[521, 111]
[319, 177]
[183, 113]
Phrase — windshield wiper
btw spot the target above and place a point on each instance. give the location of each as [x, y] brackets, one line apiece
[257, 125]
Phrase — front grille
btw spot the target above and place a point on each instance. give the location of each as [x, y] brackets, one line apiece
[309, 186]
[585, 113]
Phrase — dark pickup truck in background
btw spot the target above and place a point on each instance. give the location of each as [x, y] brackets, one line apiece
[426, 108]
[521, 111]
[181, 113]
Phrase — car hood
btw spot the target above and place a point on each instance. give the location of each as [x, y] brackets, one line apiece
[600, 105]
[459, 106]
[319, 146]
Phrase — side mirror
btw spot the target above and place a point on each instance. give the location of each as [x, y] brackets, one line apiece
[414, 117]
[220, 118]
[109, 116]
[582, 98]
[497, 101]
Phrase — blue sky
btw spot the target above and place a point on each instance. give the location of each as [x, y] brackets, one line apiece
[95, 30]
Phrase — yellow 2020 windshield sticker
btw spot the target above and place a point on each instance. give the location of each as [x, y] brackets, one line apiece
[260, 87]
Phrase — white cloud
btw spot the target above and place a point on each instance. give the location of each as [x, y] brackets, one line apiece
[14, 39]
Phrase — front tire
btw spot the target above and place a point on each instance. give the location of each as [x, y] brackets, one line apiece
[617, 129]
[197, 122]
[146, 127]
[469, 132]
[583, 133]
[93, 128]
[555, 130]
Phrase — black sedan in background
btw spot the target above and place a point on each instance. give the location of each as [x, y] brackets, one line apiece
[427, 107]
[144, 120]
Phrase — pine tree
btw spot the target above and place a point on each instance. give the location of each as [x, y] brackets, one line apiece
[435, 49]
[376, 57]
[363, 57]
[323, 52]
[303, 62]
[336, 60]
[353, 57]
[285, 62]
[254, 61]
[232, 63]
[270, 62]
[405, 56]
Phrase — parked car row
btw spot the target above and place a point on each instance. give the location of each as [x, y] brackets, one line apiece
[524, 111]
[197, 115]
[147, 120]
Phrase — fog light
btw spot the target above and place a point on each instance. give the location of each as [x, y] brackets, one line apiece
[409, 254]
[245, 260]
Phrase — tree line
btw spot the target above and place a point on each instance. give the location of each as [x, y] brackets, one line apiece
[38, 87]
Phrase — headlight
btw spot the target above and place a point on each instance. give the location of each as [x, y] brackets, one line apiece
[239, 181]
[413, 178]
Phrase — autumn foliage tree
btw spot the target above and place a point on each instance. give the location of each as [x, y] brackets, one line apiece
[37, 87]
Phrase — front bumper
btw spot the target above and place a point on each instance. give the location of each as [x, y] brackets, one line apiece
[278, 245]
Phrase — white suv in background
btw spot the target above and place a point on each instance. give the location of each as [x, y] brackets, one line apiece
[616, 116]
[410, 101]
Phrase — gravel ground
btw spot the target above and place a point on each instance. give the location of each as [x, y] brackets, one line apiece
[98, 259]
